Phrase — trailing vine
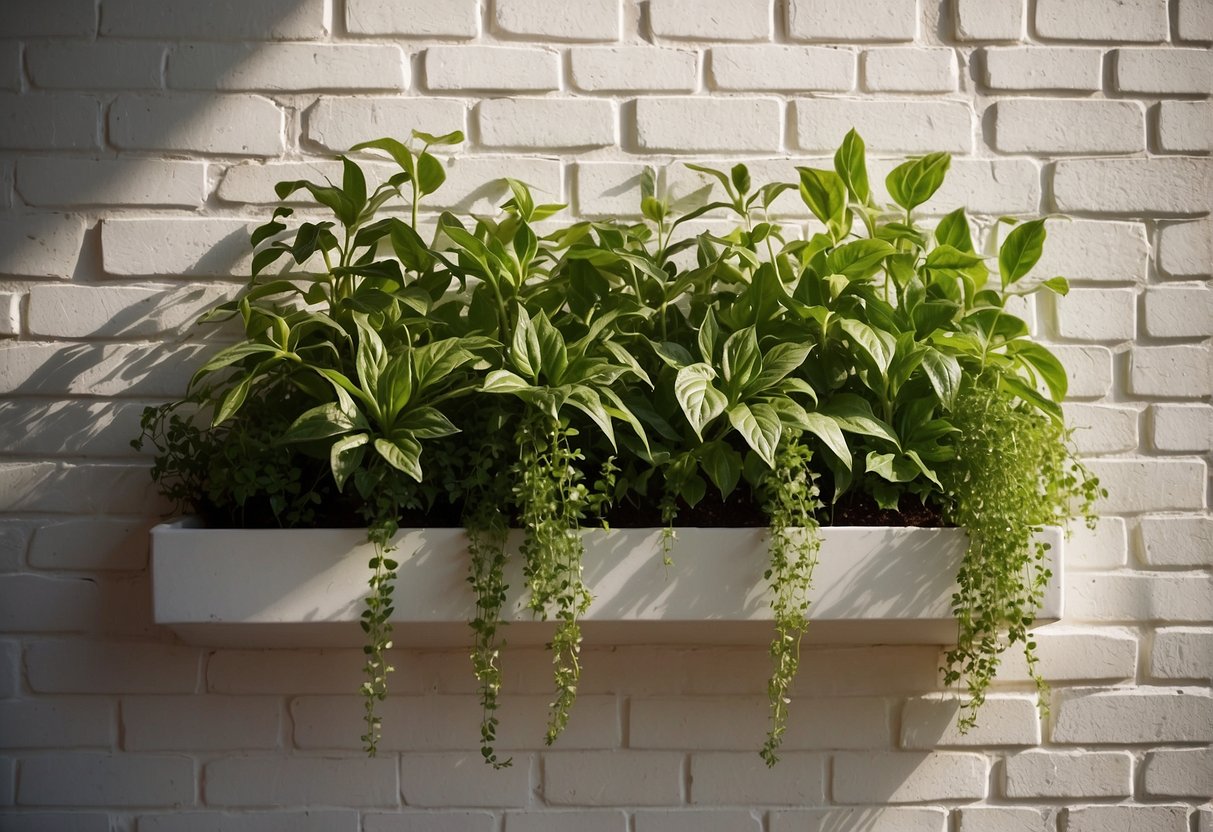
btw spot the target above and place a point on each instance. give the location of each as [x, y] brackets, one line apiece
[790, 501]
[377, 625]
[552, 502]
[1037, 481]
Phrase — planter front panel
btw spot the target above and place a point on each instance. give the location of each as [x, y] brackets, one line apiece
[268, 587]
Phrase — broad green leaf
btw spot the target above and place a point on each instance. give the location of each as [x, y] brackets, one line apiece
[503, 381]
[394, 387]
[948, 257]
[781, 360]
[742, 361]
[674, 355]
[626, 358]
[453, 137]
[332, 198]
[826, 195]
[435, 361]
[524, 350]
[761, 428]
[1059, 285]
[1018, 387]
[553, 355]
[394, 148]
[617, 409]
[409, 247]
[854, 414]
[719, 175]
[353, 183]
[827, 430]
[265, 257]
[427, 422]
[893, 467]
[402, 453]
[851, 166]
[722, 465]
[944, 373]
[701, 402]
[953, 230]
[345, 456]
[321, 422]
[230, 355]
[430, 174]
[371, 356]
[914, 182]
[877, 344]
[264, 232]
[740, 175]
[859, 259]
[232, 400]
[1020, 251]
[709, 334]
[1045, 363]
[587, 400]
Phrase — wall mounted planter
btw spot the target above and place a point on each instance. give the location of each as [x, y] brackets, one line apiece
[304, 587]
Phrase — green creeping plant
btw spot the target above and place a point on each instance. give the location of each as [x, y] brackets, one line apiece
[517, 370]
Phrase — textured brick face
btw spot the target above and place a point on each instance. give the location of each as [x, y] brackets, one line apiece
[139, 143]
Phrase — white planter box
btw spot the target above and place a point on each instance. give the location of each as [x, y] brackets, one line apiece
[270, 588]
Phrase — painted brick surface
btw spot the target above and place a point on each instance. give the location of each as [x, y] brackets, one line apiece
[140, 141]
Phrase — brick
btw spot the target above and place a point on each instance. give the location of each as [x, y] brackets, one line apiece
[908, 777]
[48, 121]
[92, 543]
[59, 722]
[1052, 125]
[340, 123]
[612, 778]
[1182, 653]
[1179, 311]
[1037, 774]
[14, 543]
[90, 779]
[1182, 372]
[10, 669]
[627, 68]
[295, 672]
[591, 821]
[424, 723]
[1186, 772]
[930, 722]
[711, 19]
[311, 820]
[503, 68]
[547, 123]
[287, 67]
[10, 313]
[1097, 314]
[1186, 249]
[474, 184]
[1089, 369]
[40, 245]
[864, 20]
[740, 779]
[57, 18]
[195, 247]
[118, 311]
[1148, 596]
[1164, 71]
[1204, 820]
[1177, 541]
[900, 126]
[462, 779]
[98, 65]
[413, 18]
[739, 724]
[794, 68]
[110, 667]
[910, 70]
[1194, 20]
[1182, 427]
[683, 820]
[871, 819]
[1006, 819]
[245, 125]
[1185, 126]
[1043, 68]
[608, 189]
[1072, 654]
[1130, 20]
[46, 369]
[1134, 186]
[220, 20]
[421, 821]
[200, 723]
[253, 182]
[10, 66]
[1127, 819]
[1141, 715]
[676, 124]
[989, 19]
[983, 186]
[38, 603]
[1101, 429]
[57, 822]
[1104, 547]
[8, 777]
[590, 20]
[345, 781]
[49, 181]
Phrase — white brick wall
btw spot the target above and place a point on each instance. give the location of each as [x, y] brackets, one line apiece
[139, 141]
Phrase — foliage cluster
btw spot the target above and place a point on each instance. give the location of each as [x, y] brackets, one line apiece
[497, 375]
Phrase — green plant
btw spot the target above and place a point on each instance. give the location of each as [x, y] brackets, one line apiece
[639, 372]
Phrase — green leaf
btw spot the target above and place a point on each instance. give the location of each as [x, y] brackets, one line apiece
[893, 467]
[353, 183]
[722, 465]
[850, 164]
[827, 430]
[709, 334]
[345, 456]
[701, 402]
[1020, 251]
[1059, 285]
[524, 350]
[232, 400]
[409, 247]
[740, 175]
[394, 148]
[674, 355]
[453, 137]
[553, 355]
[914, 182]
[403, 454]
[371, 356]
[826, 195]
[1045, 363]
[781, 360]
[503, 381]
[878, 344]
[587, 400]
[437, 360]
[761, 428]
[854, 415]
[394, 387]
[430, 174]
[859, 259]
[427, 422]
[321, 422]
[1029, 394]
[948, 257]
[953, 230]
[265, 257]
[742, 361]
[944, 373]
